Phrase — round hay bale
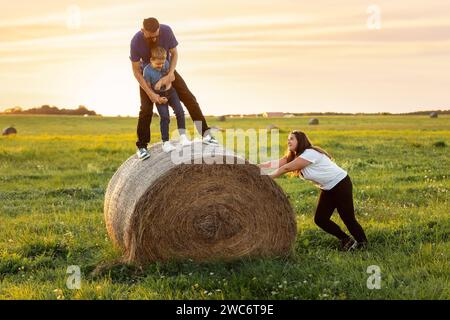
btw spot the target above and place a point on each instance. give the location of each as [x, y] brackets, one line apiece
[221, 118]
[433, 114]
[201, 207]
[314, 121]
[8, 131]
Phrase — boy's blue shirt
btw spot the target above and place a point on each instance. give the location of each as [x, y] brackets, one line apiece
[152, 76]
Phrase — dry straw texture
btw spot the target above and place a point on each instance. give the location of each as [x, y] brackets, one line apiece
[158, 209]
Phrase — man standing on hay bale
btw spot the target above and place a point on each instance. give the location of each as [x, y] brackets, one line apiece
[152, 35]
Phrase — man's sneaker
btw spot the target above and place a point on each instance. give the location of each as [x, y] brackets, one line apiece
[143, 153]
[209, 139]
[184, 140]
[167, 146]
[347, 244]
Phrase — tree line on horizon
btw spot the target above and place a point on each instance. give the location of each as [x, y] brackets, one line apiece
[46, 109]
[418, 113]
[82, 110]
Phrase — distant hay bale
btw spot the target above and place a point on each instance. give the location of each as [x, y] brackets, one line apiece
[433, 114]
[8, 131]
[314, 121]
[221, 118]
[440, 144]
[158, 210]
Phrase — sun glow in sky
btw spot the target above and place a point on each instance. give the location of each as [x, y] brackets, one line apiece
[236, 56]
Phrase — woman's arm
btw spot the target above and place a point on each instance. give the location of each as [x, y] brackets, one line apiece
[273, 164]
[297, 164]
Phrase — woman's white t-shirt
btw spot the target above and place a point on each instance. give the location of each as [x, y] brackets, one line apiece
[321, 170]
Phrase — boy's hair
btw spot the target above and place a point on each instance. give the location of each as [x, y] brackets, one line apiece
[151, 24]
[159, 53]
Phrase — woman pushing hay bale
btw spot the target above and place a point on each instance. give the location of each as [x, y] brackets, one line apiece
[203, 203]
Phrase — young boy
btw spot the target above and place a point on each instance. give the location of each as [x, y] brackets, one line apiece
[153, 72]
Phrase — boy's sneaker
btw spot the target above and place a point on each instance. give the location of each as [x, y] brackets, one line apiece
[184, 140]
[209, 139]
[347, 244]
[167, 146]
[143, 153]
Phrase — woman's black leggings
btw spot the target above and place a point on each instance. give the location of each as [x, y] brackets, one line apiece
[340, 197]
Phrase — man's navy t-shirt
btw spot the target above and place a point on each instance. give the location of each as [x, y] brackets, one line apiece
[140, 49]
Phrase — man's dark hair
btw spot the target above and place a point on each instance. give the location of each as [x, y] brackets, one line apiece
[151, 24]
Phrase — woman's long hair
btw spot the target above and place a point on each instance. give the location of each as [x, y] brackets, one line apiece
[303, 143]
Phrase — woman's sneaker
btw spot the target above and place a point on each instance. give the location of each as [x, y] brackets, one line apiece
[168, 147]
[347, 244]
[358, 246]
[142, 153]
[184, 140]
[209, 139]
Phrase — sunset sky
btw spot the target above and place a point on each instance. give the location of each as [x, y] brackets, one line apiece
[236, 56]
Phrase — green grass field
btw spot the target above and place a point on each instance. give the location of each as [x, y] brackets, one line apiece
[54, 173]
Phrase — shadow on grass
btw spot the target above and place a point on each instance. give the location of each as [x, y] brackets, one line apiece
[122, 272]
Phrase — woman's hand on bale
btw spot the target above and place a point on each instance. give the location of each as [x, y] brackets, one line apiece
[264, 165]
